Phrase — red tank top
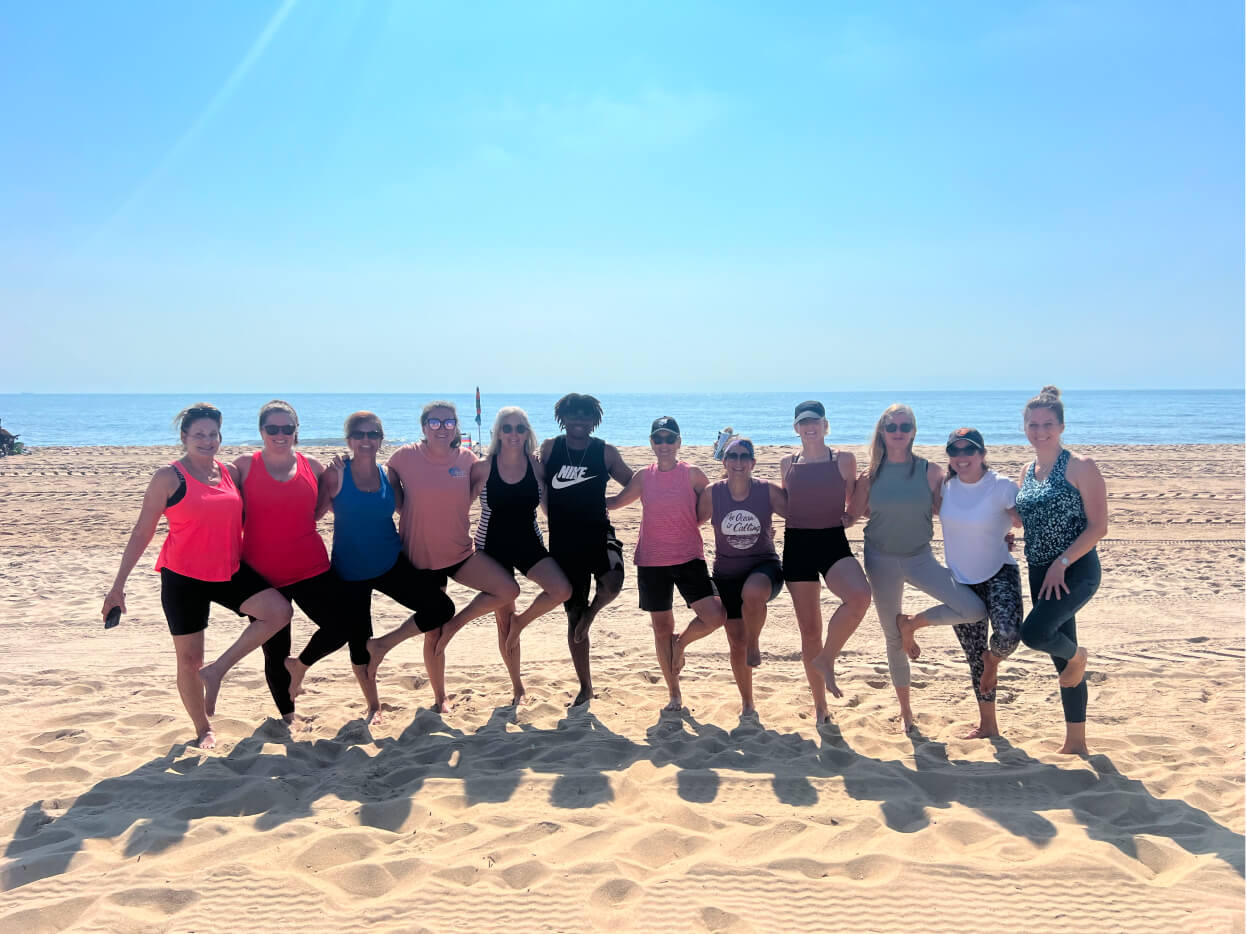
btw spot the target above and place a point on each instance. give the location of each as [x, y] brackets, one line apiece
[280, 539]
[205, 530]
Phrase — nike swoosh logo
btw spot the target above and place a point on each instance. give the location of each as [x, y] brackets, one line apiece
[559, 484]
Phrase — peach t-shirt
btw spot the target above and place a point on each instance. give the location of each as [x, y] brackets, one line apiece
[433, 524]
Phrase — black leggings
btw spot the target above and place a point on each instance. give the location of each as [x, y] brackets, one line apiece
[1051, 626]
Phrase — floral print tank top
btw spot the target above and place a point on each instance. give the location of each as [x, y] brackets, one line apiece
[1052, 512]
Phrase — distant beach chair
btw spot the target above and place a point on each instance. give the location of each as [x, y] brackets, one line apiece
[9, 443]
[724, 439]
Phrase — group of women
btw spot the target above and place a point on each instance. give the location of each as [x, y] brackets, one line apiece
[259, 560]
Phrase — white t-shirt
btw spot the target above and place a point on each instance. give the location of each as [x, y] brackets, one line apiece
[974, 521]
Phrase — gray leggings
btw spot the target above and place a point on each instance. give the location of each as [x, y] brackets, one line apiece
[888, 574]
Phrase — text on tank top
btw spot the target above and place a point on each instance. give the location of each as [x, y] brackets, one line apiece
[575, 484]
[279, 537]
[365, 542]
[815, 493]
[434, 524]
[507, 508]
[743, 530]
[901, 509]
[205, 529]
[669, 532]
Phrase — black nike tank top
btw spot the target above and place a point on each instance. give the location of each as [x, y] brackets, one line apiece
[576, 484]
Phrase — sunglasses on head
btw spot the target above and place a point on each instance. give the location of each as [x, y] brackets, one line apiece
[435, 423]
[520, 429]
[358, 434]
[962, 450]
[738, 456]
[664, 437]
[279, 429]
[903, 427]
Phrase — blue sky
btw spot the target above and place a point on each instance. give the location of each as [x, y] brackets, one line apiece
[330, 195]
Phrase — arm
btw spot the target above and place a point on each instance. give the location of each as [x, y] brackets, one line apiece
[859, 505]
[328, 486]
[705, 505]
[163, 485]
[395, 484]
[778, 499]
[317, 468]
[848, 470]
[240, 468]
[621, 473]
[480, 476]
[630, 492]
[934, 476]
[1084, 474]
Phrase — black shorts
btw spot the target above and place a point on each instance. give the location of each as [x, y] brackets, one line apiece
[656, 584]
[319, 597]
[442, 575]
[810, 553]
[186, 599]
[418, 591]
[518, 555]
[731, 589]
[585, 556]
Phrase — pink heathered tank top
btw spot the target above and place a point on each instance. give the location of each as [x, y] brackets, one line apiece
[279, 538]
[669, 532]
[434, 524]
[205, 530]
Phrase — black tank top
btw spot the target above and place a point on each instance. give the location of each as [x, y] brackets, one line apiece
[576, 484]
[507, 509]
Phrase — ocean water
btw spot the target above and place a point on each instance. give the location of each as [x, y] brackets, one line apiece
[1092, 416]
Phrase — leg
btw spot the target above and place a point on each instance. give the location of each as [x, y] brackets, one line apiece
[579, 649]
[737, 646]
[886, 578]
[1002, 596]
[189, 651]
[277, 674]
[497, 589]
[664, 646]
[972, 637]
[958, 603]
[753, 599]
[435, 665]
[270, 612]
[326, 601]
[505, 617]
[608, 587]
[847, 581]
[555, 589]
[710, 617]
[807, 603]
[422, 592]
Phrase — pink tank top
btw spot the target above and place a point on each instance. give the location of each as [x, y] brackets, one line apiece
[434, 525]
[205, 530]
[669, 532]
[279, 538]
[815, 494]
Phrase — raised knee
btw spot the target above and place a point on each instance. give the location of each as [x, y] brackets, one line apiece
[510, 592]
[610, 583]
[859, 600]
[561, 593]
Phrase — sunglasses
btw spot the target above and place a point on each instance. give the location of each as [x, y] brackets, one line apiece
[358, 434]
[962, 450]
[517, 429]
[273, 430]
[435, 423]
[903, 427]
[738, 456]
[664, 437]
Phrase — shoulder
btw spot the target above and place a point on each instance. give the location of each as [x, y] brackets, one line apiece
[933, 470]
[313, 463]
[1080, 465]
[547, 448]
[168, 476]
[401, 456]
[786, 460]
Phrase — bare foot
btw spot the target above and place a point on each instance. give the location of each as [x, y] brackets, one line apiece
[911, 648]
[206, 739]
[376, 652]
[512, 635]
[585, 695]
[677, 655]
[821, 716]
[446, 633]
[906, 724]
[990, 674]
[827, 670]
[297, 672]
[980, 732]
[675, 704]
[518, 697]
[373, 717]
[288, 718]
[752, 655]
[748, 710]
[442, 706]
[211, 688]
[1073, 750]
[581, 628]
[1073, 672]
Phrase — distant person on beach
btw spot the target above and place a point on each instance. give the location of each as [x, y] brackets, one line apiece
[367, 551]
[818, 483]
[280, 489]
[900, 493]
[747, 571]
[432, 480]
[977, 511]
[669, 550]
[1063, 504]
[577, 468]
[200, 563]
[510, 480]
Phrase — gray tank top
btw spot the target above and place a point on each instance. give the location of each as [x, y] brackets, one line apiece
[901, 509]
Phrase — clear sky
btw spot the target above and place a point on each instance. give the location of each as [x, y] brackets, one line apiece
[331, 195]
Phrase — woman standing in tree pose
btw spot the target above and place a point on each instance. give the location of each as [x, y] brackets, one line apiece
[978, 509]
[1063, 503]
[200, 563]
[510, 482]
[819, 482]
[901, 493]
[367, 552]
[433, 479]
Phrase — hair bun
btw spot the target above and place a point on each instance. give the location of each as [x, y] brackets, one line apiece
[1050, 391]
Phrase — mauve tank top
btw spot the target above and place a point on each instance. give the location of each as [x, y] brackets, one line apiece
[279, 538]
[815, 493]
[669, 532]
[743, 534]
[205, 530]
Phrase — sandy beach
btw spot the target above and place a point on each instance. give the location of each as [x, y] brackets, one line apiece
[617, 817]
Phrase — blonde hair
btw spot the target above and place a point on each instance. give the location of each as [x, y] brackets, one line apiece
[495, 443]
[358, 418]
[878, 450]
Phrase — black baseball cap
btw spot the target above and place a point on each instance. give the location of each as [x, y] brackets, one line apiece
[664, 423]
[809, 407]
[971, 435]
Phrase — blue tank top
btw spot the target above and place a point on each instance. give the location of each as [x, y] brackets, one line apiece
[365, 542]
[1051, 511]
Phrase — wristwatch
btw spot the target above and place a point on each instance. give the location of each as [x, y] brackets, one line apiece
[1064, 560]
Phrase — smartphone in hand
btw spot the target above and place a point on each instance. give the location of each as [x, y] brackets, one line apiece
[114, 618]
